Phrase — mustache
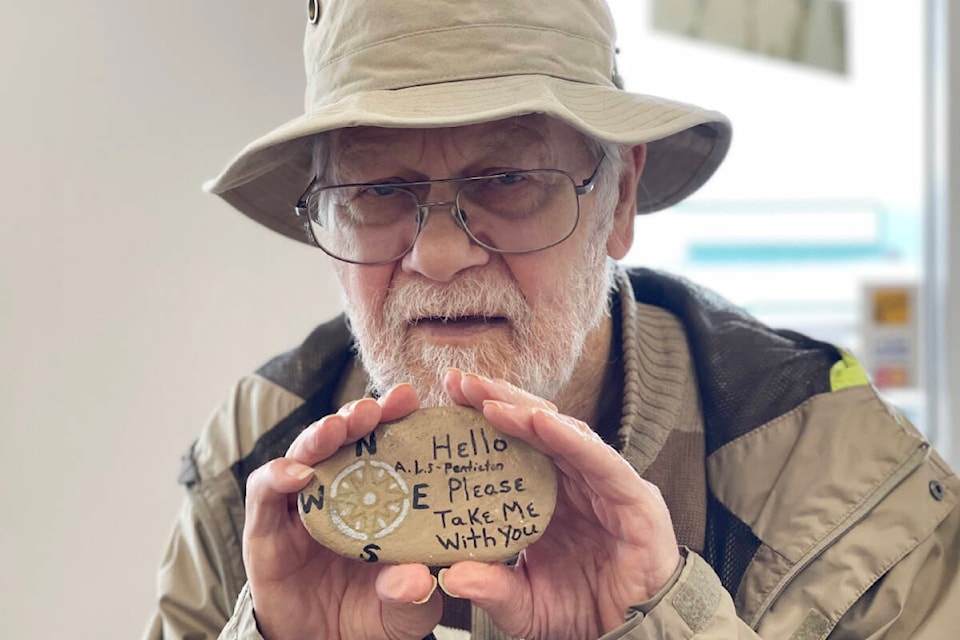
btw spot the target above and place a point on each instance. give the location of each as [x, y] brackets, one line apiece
[473, 297]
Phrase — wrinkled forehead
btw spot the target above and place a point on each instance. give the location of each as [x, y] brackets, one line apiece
[532, 138]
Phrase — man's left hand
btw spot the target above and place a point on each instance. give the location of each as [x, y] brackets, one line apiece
[609, 545]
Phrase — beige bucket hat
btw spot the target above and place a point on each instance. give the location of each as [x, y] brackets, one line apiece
[443, 63]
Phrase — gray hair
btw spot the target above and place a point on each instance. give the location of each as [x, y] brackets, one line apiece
[607, 189]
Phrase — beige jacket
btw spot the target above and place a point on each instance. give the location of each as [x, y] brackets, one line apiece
[811, 509]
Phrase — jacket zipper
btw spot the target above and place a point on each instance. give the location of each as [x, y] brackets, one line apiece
[904, 470]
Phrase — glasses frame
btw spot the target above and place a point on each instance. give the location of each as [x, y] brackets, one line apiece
[423, 208]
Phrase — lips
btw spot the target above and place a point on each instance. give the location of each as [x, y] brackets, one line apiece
[455, 320]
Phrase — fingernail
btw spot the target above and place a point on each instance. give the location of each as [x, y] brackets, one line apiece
[429, 593]
[555, 415]
[299, 471]
[319, 424]
[477, 376]
[440, 576]
[348, 407]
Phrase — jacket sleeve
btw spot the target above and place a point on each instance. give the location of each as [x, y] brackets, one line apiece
[695, 606]
[191, 602]
[917, 598]
[243, 624]
[202, 572]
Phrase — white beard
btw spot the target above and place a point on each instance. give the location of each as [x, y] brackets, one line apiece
[537, 349]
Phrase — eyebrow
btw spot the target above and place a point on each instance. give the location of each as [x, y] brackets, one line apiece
[517, 136]
[520, 137]
[516, 139]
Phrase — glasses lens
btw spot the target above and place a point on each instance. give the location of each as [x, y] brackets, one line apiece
[521, 211]
[364, 224]
[515, 212]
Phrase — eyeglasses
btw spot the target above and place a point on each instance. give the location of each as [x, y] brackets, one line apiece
[511, 212]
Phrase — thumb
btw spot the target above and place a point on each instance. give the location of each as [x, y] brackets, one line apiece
[269, 493]
[410, 606]
[501, 591]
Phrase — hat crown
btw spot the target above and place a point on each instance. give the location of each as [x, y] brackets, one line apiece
[360, 46]
[451, 63]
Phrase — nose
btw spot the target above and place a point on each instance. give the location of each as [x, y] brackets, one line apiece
[443, 249]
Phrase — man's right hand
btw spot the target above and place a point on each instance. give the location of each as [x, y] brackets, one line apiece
[301, 589]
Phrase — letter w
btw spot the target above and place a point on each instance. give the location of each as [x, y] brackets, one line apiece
[310, 502]
[448, 543]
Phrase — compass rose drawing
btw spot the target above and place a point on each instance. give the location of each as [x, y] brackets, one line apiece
[368, 500]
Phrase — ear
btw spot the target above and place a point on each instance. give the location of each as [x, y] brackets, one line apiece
[621, 236]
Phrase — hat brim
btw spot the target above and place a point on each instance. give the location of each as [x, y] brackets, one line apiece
[686, 144]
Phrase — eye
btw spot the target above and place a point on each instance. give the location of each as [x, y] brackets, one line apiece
[379, 189]
[509, 179]
[383, 189]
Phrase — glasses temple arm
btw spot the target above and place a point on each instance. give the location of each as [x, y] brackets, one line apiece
[588, 184]
[301, 207]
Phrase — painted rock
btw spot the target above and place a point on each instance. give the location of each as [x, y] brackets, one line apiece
[438, 486]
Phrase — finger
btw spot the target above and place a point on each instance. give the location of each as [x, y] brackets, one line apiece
[472, 390]
[268, 491]
[452, 381]
[405, 584]
[353, 421]
[324, 437]
[410, 605]
[501, 591]
[320, 440]
[576, 449]
[363, 415]
[398, 402]
[599, 465]
[599, 481]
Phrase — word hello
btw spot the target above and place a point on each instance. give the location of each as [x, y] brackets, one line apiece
[477, 444]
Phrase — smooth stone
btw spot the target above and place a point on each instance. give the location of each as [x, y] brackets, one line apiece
[436, 487]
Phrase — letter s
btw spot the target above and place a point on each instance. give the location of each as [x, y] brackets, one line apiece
[369, 553]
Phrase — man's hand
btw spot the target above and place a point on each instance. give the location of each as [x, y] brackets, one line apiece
[301, 589]
[609, 545]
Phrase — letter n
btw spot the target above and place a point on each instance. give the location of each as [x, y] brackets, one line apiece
[369, 443]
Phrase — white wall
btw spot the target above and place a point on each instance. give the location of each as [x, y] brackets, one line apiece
[129, 300]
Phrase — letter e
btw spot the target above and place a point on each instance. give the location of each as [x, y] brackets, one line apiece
[418, 495]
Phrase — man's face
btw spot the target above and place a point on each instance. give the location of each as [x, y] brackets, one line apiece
[452, 303]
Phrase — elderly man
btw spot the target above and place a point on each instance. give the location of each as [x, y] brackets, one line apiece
[473, 170]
